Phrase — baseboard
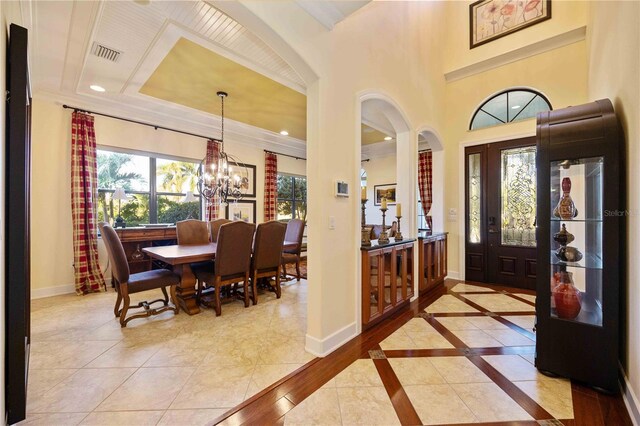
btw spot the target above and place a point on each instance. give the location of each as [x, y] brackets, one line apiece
[630, 398]
[324, 347]
[454, 275]
[39, 293]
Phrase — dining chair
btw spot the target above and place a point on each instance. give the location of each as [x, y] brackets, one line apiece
[267, 255]
[192, 231]
[127, 283]
[214, 226]
[295, 230]
[232, 261]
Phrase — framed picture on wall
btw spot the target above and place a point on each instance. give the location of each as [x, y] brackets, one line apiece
[247, 173]
[387, 191]
[244, 210]
[492, 19]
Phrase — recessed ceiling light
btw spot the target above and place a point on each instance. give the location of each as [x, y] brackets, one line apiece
[284, 133]
[387, 138]
[97, 88]
[515, 107]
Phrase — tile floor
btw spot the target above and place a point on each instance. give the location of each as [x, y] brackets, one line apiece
[441, 385]
[186, 370]
[166, 369]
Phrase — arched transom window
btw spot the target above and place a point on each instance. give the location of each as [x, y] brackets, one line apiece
[508, 106]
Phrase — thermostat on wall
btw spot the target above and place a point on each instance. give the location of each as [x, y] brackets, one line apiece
[342, 189]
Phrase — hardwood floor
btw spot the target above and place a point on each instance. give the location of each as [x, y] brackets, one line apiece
[465, 342]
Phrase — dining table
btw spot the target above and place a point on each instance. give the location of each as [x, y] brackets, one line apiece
[180, 257]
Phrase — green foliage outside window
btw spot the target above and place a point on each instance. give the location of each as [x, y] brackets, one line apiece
[292, 197]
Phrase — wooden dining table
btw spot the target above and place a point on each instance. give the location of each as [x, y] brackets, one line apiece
[180, 256]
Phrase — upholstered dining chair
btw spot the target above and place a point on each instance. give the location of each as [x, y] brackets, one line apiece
[214, 226]
[192, 231]
[128, 283]
[295, 230]
[232, 262]
[267, 256]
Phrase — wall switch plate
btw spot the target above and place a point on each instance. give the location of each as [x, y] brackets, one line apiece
[453, 214]
[332, 222]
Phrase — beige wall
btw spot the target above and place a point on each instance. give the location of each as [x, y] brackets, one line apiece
[559, 74]
[52, 243]
[393, 49]
[614, 73]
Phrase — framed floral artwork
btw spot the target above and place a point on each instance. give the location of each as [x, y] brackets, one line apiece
[492, 19]
[244, 210]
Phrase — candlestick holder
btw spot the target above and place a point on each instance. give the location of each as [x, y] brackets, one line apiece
[383, 238]
[365, 239]
[398, 236]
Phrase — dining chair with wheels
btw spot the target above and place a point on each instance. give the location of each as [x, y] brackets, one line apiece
[232, 262]
[267, 254]
[295, 231]
[127, 283]
[214, 226]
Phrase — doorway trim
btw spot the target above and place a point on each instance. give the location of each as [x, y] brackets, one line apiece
[462, 217]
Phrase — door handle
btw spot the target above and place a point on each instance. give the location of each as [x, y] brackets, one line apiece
[494, 231]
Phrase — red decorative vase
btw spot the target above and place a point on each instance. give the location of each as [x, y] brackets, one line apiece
[567, 297]
[566, 208]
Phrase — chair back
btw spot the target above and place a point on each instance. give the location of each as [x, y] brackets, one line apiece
[117, 256]
[295, 230]
[233, 254]
[214, 226]
[192, 231]
[267, 245]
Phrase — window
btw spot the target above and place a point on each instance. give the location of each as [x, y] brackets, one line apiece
[422, 220]
[292, 197]
[155, 187]
[509, 106]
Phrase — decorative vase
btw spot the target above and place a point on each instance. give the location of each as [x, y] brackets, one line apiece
[563, 237]
[569, 254]
[567, 297]
[138, 254]
[566, 208]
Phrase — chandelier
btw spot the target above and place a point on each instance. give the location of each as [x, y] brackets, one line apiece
[227, 178]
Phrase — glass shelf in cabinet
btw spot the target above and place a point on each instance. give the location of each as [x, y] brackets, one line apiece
[589, 261]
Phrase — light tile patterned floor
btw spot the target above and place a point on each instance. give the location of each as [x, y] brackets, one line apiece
[85, 369]
[447, 384]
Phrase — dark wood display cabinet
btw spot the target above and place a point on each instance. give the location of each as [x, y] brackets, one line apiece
[580, 238]
[432, 260]
[387, 279]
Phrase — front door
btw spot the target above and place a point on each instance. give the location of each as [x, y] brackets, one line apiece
[500, 213]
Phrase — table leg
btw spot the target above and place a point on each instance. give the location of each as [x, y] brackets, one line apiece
[186, 289]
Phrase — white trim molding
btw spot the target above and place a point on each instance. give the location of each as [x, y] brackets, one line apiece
[40, 293]
[324, 347]
[551, 43]
[629, 397]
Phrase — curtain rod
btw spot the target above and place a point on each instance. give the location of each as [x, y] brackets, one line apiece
[424, 150]
[136, 122]
[286, 155]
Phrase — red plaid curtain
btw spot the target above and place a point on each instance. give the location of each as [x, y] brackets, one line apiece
[270, 185]
[213, 154]
[84, 196]
[425, 183]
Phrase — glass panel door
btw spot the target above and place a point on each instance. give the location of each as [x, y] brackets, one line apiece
[518, 209]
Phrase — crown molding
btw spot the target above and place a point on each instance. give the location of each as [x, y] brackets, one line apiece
[551, 43]
[198, 122]
[379, 150]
